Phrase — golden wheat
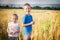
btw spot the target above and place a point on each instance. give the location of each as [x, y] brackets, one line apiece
[47, 23]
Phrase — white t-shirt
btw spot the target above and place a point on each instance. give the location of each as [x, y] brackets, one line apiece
[13, 27]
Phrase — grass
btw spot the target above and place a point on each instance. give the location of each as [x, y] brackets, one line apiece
[47, 23]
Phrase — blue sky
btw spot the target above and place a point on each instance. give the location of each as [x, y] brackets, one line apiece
[30, 1]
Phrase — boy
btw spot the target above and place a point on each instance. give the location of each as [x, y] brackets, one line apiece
[27, 22]
[13, 28]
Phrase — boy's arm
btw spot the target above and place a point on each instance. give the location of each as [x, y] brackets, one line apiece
[31, 23]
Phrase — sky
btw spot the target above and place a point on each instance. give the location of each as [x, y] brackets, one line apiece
[30, 1]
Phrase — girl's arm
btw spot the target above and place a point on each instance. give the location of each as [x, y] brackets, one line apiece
[8, 30]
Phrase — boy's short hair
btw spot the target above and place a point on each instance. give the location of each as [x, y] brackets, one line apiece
[27, 4]
[15, 15]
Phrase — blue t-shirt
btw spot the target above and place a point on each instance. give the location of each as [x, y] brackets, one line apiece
[27, 19]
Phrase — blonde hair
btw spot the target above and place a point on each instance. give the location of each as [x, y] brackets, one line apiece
[15, 15]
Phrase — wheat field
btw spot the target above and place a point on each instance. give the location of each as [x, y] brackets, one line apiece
[47, 24]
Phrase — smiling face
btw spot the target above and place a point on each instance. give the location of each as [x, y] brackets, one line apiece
[27, 9]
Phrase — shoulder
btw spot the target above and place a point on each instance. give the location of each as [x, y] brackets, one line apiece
[9, 23]
[24, 16]
[30, 15]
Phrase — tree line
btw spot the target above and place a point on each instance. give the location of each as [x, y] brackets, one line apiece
[34, 7]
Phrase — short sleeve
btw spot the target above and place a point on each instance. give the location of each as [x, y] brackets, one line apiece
[9, 24]
[31, 17]
[24, 19]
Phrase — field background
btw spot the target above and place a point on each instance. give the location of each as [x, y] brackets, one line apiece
[47, 24]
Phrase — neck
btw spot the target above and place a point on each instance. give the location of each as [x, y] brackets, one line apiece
[14, 22]
[27, 13]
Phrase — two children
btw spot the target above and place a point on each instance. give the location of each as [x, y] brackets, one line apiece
[27, 22]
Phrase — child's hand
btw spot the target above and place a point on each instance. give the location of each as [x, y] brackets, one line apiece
[32, 22]
[12, 33]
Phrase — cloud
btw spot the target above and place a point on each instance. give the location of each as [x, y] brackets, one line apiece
[30, 1]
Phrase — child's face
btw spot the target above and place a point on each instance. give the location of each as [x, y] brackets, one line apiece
[14, 18]
[27, 9]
